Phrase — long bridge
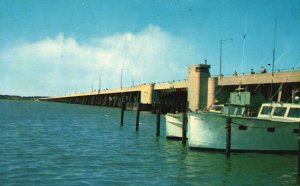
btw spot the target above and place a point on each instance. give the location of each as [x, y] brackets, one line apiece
[145, 95]
[200, 90]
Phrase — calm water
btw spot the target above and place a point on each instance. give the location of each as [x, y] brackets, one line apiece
[60, 144]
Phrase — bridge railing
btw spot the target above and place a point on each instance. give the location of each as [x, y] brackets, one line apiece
[259, 72]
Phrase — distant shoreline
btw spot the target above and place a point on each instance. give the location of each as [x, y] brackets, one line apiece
[14, 97]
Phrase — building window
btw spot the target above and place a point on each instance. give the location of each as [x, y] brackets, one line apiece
[199, 69]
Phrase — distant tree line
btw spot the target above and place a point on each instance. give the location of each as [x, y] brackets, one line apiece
[14, 97]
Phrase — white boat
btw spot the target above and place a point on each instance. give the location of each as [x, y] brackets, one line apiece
[274, 129]
[173, 126]
[174, 123]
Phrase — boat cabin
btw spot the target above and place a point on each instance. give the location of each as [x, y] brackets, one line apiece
[243, 104]
[287, 111]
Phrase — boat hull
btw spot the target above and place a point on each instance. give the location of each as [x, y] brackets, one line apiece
[208, 131]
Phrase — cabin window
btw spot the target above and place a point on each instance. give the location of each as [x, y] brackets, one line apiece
[279, 111]
[239, 111]
[294, 113]
[218, 108]
[266, 110]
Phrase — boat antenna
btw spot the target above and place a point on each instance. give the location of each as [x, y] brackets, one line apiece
[244, 39]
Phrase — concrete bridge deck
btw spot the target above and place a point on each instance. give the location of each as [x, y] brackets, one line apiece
[182, 84]
[178, 93]
[262, 78]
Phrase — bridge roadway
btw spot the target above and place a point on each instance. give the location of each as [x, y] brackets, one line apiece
[145, 94]
[173, 94]
[156, 86]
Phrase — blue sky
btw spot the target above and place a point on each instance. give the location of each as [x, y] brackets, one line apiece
[56, 47]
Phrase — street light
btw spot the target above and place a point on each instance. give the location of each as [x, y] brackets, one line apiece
[99, 88]
[121, 81]
[221, 43]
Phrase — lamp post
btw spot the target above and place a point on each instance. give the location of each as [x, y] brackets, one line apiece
[99, 89]
[274, 48]
[121, 81]
[221, 43]
[121, 78]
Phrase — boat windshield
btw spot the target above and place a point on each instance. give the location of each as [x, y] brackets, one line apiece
[217, 108]
[279, 111]
[266, 110]
[294, 113]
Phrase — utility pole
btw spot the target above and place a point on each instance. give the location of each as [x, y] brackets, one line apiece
[274, 49]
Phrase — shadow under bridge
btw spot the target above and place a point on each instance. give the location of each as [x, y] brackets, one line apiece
[170, 100]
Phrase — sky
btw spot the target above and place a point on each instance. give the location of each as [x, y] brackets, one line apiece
[54, 47]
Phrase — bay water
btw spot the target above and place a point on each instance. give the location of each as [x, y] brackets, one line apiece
[44, 143]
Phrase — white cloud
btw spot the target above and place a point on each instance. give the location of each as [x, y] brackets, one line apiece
[56, 65]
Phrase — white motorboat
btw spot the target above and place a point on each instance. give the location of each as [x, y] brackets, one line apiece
[174, 123]
[274, 129]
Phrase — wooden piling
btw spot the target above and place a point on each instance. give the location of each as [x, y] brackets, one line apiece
[228, 136]
[137, 117]
[158, 120]
[184, 123]
[299, 152]
[122, 112]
